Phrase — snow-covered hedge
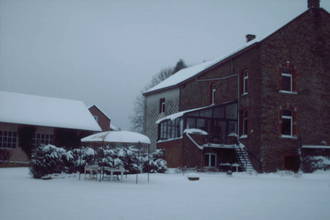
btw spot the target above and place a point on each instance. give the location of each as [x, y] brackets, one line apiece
[49, 159]
[313, 163]
[156, 162]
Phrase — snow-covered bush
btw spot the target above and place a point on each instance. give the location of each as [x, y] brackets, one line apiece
[77, 158]
[47, 159]
[119, 157]
[156, 162]
[313, 163]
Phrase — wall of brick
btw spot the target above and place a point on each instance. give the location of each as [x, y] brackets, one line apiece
[298, 43]
[173, 152]
[227, 91]
[102, 119]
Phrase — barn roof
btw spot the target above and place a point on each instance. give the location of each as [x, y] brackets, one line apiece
[36, 110]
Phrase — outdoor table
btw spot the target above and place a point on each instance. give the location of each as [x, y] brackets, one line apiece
[113, 171]
[92, 169]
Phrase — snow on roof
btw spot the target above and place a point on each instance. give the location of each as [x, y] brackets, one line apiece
[114, 127]
[220, 146]
[316, 146]
[182, 75]
[117, 137]
[27, 109]
[176, 115]
[192, 71]
[195, 131]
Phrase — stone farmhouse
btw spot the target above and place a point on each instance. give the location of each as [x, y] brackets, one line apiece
[26, 121]
[264, 107]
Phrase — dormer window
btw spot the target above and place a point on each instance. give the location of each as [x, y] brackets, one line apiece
[161, 105]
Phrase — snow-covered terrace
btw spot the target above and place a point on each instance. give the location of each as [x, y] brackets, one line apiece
[36, 110]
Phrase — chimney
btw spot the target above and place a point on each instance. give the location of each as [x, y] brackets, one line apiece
[250, 37]
[313, 3]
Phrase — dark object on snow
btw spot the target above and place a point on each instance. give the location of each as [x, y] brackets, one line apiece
[193, 178]
[250, 37]
[229, 173]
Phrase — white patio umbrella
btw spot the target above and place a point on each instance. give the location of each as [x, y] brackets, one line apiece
[121, 137]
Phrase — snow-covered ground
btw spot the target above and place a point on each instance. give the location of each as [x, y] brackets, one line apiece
[167, 196]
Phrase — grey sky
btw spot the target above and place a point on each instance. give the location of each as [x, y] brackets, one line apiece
[104, 52]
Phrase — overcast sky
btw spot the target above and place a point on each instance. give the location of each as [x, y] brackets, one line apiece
[104, 52]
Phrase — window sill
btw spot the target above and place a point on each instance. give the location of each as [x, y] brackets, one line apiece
[289, 137]
[288, 92]
[244, 136]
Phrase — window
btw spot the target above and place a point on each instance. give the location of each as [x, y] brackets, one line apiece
[245, 123]
[161, 105]
[286, 79]
[170, 129]
[213, 91]
[210, 159]
[245, 83]
[96, 118]
[8, 139]
[40, 139]
[287, 123]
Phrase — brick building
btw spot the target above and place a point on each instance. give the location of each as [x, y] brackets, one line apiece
[102, 119]
[273, 96]
[26, 121]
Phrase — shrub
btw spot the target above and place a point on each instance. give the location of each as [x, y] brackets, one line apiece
[47, 159]
[77, 158]
[313, 163]
[156, 162]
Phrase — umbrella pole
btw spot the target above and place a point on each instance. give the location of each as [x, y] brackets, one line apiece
[148, 162]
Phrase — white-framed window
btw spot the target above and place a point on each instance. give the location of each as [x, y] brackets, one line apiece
[213, 91]
[161, 105]
[286, 82]
[8, 139]
[245, 83]
[39, 139]
[210, 159]
[287, 123]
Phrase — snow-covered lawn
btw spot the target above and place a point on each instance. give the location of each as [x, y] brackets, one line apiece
[168, 196]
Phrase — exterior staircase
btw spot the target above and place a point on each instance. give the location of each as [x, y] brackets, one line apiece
[243, 159]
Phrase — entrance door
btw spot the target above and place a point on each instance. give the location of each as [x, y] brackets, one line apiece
[210, 159]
